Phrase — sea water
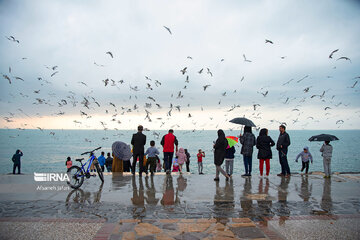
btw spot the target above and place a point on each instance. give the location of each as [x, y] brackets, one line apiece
[45, 152]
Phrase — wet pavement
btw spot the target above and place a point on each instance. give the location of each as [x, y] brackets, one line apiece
[268, 203]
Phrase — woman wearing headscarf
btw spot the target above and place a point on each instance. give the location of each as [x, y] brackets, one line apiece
[219, 154]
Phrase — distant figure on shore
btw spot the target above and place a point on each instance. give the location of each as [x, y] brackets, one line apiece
[68, 163]
[326, 150]
[187, 160]
[102, 161]
[108, 162]
[248, 141]
[152, 153]
[282, 145]
[138, 141]
[181, 158]
[229, 160]
[264, 144]
[168, 142]
[92, 167]
[200, 157]
[219, 154]
[17, 160]
[306, 157]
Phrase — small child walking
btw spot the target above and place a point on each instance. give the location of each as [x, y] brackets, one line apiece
[200, 156]
[182, 158]
[306, 157]
[326, 150]
[68, 163]
[152, 153]
[229, 160]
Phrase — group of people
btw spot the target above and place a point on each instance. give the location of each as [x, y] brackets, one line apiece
[173, 156]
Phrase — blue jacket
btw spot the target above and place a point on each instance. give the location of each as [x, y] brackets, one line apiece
[152, 152]
[101, 160]
[230, 153]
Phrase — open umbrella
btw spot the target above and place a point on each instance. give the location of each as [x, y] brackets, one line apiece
[232, 141]
[243, 121]
[121, 150]
[323, 137]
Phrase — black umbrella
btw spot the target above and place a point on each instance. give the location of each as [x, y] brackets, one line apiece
[243, 121]
[323, 137]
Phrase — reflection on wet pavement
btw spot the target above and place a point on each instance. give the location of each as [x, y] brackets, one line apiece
[184, 196]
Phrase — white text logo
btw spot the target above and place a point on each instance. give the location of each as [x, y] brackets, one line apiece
[50, 177]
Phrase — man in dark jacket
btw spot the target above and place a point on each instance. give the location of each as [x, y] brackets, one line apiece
[282, 145]
[168, 142]
[138, 141]
[16, 160]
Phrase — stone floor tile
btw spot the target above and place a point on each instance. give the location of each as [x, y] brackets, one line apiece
[143, 229]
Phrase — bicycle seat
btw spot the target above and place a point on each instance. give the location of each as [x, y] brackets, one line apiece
[79, 159]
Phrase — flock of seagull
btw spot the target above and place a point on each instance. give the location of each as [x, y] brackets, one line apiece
[88, 103]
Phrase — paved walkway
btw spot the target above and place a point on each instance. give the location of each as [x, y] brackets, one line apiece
[182, 207]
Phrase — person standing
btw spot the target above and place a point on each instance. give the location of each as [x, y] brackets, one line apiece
[108, 162]
[248, 142]
[219, 154]
[187, 160]
[17, 160]
[102, 161]
[152, 154]
[282, 145]
[138, 141]
[306, 157]
[168, 142]
[229, 160]
[200, 157]
[181, 158]
[264, 144]
[326, 150]
[68, 163]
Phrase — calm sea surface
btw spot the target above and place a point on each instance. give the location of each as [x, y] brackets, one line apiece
[44, 152]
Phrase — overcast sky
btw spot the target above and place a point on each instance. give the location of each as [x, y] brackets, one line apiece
[74, 35]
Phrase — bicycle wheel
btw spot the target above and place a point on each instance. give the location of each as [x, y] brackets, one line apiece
[76, 176]
[99, 171]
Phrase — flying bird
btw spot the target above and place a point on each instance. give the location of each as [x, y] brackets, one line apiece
[246, 60]
[168, 29]
[54, 73]
[7, 78]
[189, 57]
[183, 70]
[268, 41]
[345, 58]
[200, 71]
[354, 84]
[331, 54]
[12, 38]
[206, 86]
[110, 53]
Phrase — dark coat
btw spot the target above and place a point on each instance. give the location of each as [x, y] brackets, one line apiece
[220, 147]
[16, 157]
[264, 144]
[230, 153]
[248, 141]
[284, 141]
[138, 141]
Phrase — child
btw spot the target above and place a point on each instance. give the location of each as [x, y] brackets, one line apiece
[326, 150]
[175, 165]
[181, 158]
[68, 163]
[305, 159]
[200, 156]
[158, 164]
[229, 160]
[108, 162]
[152, 153]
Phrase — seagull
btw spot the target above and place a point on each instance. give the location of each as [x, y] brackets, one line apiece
[288, 82]
[331, 54]
[106, 81]
[189, 57]
[265, 93]
[189, 116]
[206, 86]
[110, 53]
[157, 83]
[268, 41]
[255, 105]
[345, 58]
[54, 73]
[306, 89]
[112, 104]
[12, 38]
[327, 108]
[339, 121]
[246, 60]
[222, 60]
[167, 29]
[183, 70]
[200, 71]
[208, 72]
[187, 79]
[224, 94]
[54, 67]
[149, 86]
[151, 98]
[354, 84]
[99, 65]
[302, 78]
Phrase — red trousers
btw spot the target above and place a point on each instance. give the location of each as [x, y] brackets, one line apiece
[261, 166]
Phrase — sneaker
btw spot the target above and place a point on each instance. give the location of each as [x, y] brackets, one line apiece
[244, 175]
[217, 179]
[280, 175]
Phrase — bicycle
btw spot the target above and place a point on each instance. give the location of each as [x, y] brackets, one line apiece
[77, 174]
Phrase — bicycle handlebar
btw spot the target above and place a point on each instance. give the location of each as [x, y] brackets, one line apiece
[91, 151]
